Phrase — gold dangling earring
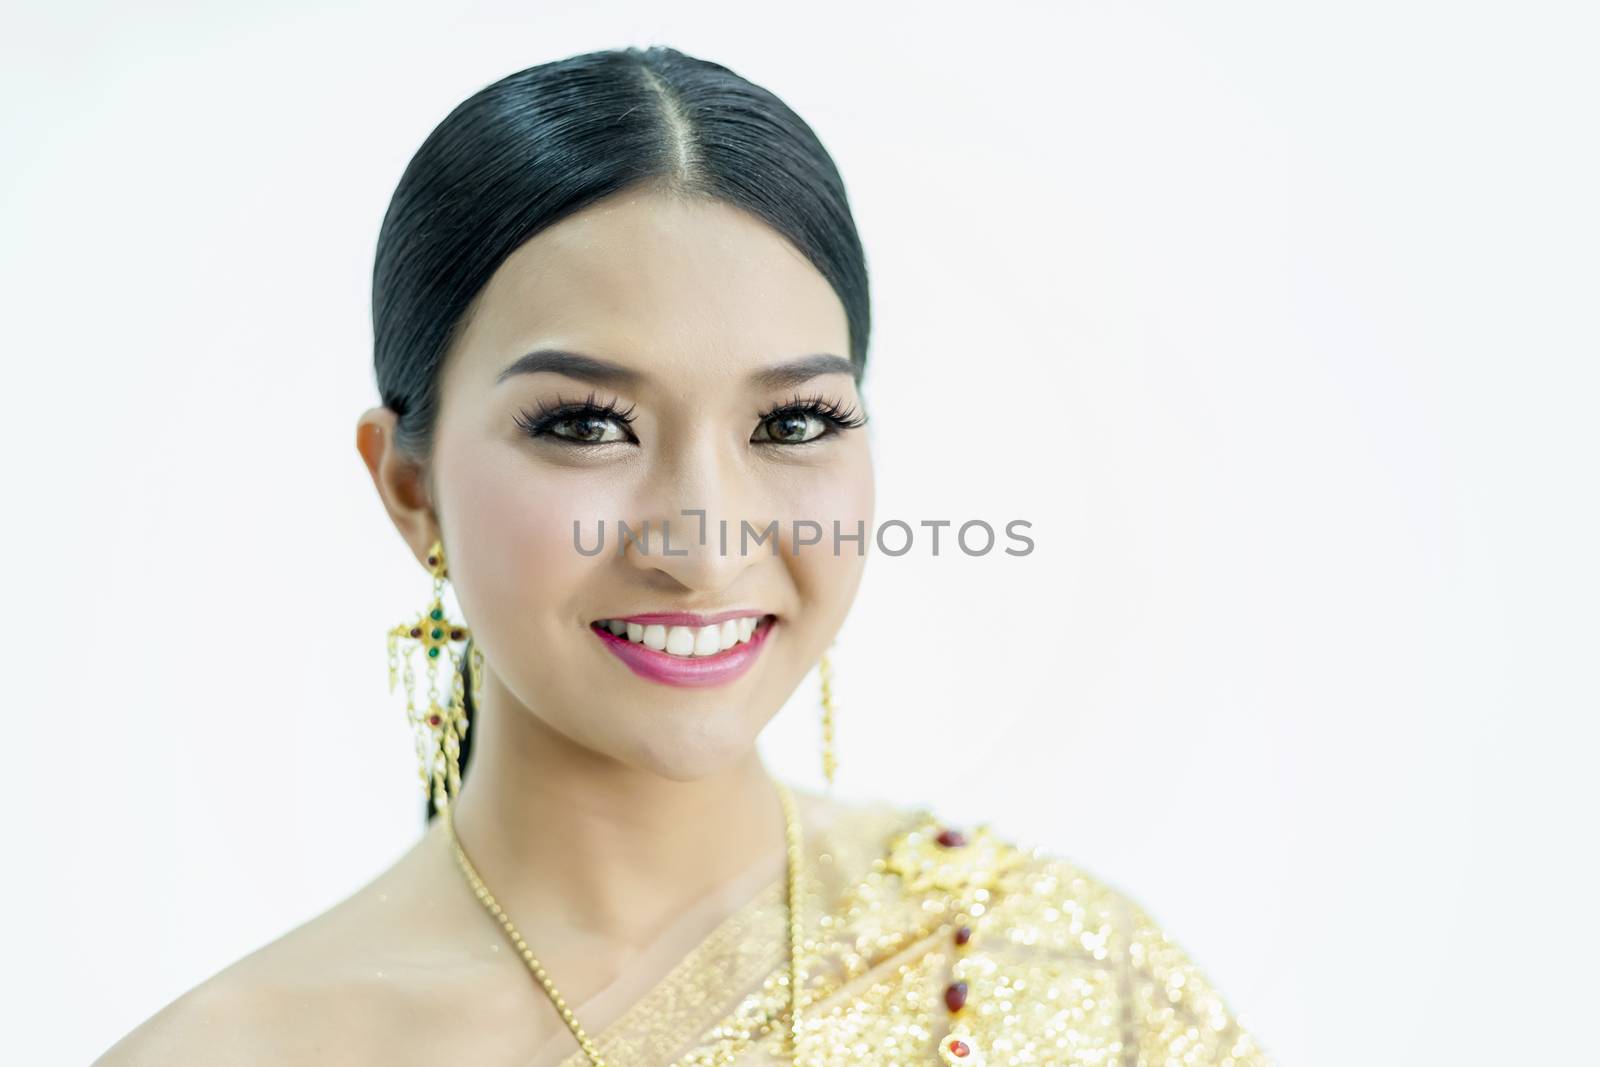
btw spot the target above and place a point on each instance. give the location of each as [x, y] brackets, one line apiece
[441, 728]
[830, 762]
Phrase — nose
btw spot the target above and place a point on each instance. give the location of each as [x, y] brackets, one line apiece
[691, 513]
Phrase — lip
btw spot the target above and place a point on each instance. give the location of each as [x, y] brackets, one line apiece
[687, 671]
[689, 618]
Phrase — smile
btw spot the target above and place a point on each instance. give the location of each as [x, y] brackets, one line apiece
[672, 650]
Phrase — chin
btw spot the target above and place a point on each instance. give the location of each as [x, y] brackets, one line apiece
[686, 757]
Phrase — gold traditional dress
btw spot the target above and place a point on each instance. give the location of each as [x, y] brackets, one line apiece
[927, 944]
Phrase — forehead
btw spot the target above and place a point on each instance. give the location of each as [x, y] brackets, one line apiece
[649, 278]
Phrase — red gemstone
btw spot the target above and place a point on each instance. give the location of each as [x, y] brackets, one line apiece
[455, 635]
[958, 1047]
[416, 631]
[433, 561]
[955, 995]
[963, 935]
[434, 720]
[951, 838]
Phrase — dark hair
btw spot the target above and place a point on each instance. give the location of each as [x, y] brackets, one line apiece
[526, 151]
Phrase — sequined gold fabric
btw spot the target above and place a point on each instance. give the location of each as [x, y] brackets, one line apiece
[1059, 968]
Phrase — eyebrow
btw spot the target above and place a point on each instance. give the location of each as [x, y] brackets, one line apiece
[604, 372]
[797, 371]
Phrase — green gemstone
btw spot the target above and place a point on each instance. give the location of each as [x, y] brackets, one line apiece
[436, 614]
[437, 633]
[433, 653]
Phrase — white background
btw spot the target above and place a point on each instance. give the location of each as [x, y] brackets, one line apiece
[1277, 321]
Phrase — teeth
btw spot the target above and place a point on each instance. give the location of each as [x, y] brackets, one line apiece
[680, 641]
[708, 641]
[687, 641]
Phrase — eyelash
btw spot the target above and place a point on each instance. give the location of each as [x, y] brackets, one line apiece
[540, 425]
[836, 417]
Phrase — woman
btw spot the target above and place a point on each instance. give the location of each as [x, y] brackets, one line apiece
[621, 317]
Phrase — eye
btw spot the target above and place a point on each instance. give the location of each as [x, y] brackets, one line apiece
[804, 420]
[584, 423]
[588, 430]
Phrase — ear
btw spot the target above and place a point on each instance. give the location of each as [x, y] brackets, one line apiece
[399, 479]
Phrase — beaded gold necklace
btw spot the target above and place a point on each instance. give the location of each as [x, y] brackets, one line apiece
[792, 837]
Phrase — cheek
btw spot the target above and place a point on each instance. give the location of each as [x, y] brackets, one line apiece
[846, 497]
[511, 527]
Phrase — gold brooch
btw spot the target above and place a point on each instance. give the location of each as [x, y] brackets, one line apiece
[931, 856]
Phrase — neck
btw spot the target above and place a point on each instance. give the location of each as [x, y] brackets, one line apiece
[560, 831]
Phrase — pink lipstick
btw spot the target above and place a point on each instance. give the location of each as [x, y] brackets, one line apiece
[668, 669]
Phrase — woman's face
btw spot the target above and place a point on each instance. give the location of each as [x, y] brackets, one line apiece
[684, 306]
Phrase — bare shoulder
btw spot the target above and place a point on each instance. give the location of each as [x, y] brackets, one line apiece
[227, 1021]
[354, 985]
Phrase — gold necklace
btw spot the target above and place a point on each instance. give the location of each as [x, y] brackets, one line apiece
[792, 837]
